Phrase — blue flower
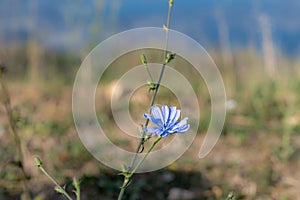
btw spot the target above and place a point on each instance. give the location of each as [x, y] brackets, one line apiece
[166, 121]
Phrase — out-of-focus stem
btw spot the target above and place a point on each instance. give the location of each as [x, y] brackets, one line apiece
[12, 123]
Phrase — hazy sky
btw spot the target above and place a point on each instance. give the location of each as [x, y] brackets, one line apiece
[67, 24]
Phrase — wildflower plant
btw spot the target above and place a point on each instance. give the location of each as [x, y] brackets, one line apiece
[61, 190]
[160, 121]
[165, 118]
[166, 121]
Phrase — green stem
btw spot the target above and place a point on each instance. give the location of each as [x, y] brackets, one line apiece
[40, 166]
[128, 177]
[123, 188]
[78, 194]
[157, 85]
[145, 156]
[149, 73]
[144, 61]
[76, 185]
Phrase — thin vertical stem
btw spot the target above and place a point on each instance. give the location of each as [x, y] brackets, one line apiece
[128, 177]
[142, 140]
[13, 126]
[157, 85]
[144, 61]
[146, 155]
[123, 188]
[76, 185]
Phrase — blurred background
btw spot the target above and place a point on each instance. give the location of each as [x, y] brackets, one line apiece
[256, 46]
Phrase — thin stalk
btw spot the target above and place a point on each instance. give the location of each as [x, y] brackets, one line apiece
[146, 155]
[60, 189]
[77, 194]
[13, 126]
[144, 61]
[123, 188]
[128, 177]
[157, 85]
[76, 185]
[149, 73]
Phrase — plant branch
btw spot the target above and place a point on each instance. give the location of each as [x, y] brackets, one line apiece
[58, 187]
[142, 140]
[12, 123]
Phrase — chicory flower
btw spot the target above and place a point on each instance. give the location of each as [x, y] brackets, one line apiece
[166, 121]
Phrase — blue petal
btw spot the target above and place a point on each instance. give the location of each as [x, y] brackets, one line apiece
[164, 134]
[158, 122]
[155, 111]
[183, 128]
[177, 125]
[172, 112]
[166, 120]
[174, 116]
[155, 130]
[165, 114]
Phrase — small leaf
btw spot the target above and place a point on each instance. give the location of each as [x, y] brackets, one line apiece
[76, 184]
[59, 190]
[152, 86]
[38, 162]
[230, 196]
[143, 59]
[170, 56]
[124, 168]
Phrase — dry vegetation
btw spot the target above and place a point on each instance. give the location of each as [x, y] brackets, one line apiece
[257, 156]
